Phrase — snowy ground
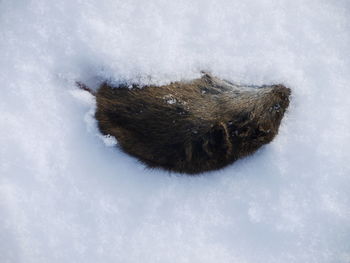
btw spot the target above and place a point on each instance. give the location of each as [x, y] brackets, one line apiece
[67, 197]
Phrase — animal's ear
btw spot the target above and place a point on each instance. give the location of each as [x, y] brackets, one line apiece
[217, 140]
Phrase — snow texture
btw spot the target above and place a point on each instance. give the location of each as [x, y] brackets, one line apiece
[67, 197]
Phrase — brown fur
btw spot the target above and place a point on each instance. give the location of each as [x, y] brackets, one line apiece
[191, 127]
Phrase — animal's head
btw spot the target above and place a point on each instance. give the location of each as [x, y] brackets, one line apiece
[256, 115]
[270, 106]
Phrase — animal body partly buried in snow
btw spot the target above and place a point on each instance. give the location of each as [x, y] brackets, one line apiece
[191, 126]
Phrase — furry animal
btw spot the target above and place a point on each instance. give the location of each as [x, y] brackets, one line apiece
[191, 126]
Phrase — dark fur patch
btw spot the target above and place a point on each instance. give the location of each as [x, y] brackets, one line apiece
[191, 127]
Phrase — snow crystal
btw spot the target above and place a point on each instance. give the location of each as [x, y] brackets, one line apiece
[109, 140]
[169, 99]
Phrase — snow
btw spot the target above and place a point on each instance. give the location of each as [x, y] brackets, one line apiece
[170, 99]
[67, 197]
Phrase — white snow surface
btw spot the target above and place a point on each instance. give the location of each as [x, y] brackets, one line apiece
[67, 197]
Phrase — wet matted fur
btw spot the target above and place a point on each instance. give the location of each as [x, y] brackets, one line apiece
[191, 126]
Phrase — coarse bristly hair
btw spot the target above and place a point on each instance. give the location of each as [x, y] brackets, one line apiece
[191, 126]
